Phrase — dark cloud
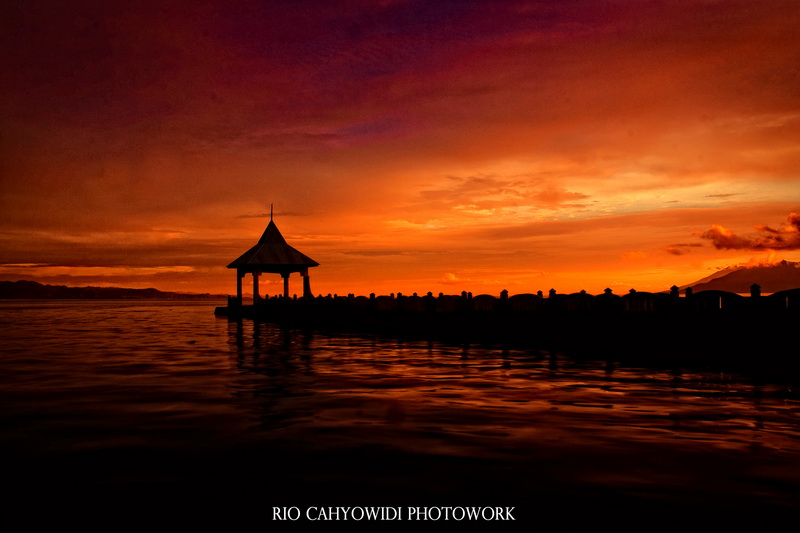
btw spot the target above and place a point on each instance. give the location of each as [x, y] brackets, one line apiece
[275, 214]
[558, 197]
[681, 249]
[376, 253]
[128, 251]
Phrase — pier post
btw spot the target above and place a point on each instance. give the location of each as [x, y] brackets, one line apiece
[755, 290]
[285, 277]
[239, 276]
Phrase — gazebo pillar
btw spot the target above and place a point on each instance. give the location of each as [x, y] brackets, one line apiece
[256, 295]
[306, 284]
[239, 276]
[285, 277]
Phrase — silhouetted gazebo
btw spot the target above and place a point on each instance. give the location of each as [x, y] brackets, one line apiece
[272, 255]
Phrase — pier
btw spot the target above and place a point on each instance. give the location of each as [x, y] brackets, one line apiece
[710, 327]
[723, 329]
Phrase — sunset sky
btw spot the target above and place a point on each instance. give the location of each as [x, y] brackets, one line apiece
[407, 146]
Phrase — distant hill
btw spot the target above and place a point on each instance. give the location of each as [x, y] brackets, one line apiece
[33, 290]
[774, 278]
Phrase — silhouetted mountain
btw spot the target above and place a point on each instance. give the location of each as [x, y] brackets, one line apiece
[718, 274]
[779, 277]
[32, 290]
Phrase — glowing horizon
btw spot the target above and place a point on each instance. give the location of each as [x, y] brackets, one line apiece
[407, 146]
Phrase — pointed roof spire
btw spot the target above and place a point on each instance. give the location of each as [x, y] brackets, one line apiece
[271, 235]
[272, 254]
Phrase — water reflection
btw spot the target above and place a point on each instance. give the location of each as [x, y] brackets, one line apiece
[158, 400]
[467, 421]
[469, 390]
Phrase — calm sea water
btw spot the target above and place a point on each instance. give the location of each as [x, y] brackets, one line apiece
[141, 405]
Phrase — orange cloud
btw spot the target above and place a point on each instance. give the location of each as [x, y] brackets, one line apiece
[451, 279]
[786, 238]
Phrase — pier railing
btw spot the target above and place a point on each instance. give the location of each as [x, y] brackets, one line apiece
[632, 302]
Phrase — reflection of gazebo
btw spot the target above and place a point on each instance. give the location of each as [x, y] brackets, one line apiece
[271, 254]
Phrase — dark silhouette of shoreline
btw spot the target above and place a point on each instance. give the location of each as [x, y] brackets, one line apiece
[33, 290]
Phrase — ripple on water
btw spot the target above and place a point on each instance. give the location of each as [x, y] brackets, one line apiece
[163, 387]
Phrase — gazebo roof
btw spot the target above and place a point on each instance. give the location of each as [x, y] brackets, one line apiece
[272, 254]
